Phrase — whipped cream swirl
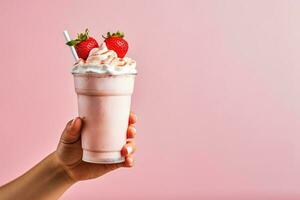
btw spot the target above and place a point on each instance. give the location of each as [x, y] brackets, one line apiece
[104, 61]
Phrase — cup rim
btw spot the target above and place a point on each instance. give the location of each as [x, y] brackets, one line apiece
[102, 75]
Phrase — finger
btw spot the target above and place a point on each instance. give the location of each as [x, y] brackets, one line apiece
[132, 118]
[131, 132]
[109, 167]
[71, 134]
[128, 161]
[128, 148]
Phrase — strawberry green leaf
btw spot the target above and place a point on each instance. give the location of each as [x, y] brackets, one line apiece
[80, 37]
[116, 34]
[72, 43]
[86, 32]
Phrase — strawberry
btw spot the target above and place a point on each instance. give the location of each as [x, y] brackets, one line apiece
[83, 44]
[116, 43]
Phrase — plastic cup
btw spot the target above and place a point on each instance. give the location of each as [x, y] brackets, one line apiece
[104, 105]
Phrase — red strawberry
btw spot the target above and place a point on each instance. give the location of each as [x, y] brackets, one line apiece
[116, 43]
[83, 44]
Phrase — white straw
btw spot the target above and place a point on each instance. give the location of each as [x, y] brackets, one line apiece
[67, 37]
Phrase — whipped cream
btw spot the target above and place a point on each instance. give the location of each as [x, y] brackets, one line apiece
[104, 61]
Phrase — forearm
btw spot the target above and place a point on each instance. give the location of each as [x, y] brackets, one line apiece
[47, 180]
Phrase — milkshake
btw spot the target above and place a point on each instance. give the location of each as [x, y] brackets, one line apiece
[104, 82]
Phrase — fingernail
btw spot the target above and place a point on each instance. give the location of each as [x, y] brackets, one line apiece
[130, 161]
[73, 122]
[135, 116]
[133, 129]
[129, 150]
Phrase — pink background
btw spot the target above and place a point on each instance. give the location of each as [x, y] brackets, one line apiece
[217, 95]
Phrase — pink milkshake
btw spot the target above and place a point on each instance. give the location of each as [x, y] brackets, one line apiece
[104, 83]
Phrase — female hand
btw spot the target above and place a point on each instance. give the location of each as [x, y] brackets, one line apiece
[69, 152]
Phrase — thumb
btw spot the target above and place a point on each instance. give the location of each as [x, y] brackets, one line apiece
[71, 133]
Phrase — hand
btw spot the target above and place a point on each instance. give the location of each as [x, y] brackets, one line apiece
[69, 152]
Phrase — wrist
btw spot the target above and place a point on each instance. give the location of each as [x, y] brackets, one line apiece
[61, 170]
